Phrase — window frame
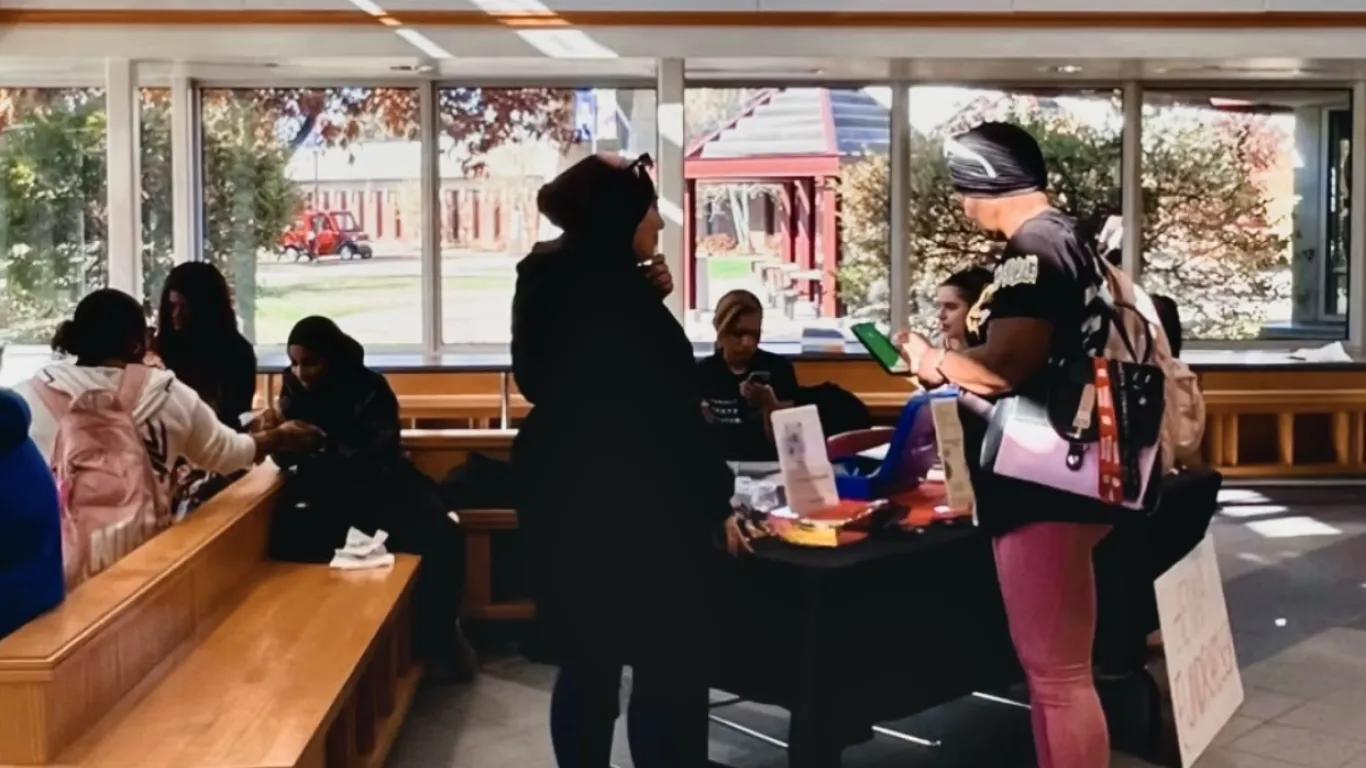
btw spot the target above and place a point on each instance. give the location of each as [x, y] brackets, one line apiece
[188, 81]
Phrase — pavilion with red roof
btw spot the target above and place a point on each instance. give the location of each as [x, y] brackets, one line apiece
[798, 139]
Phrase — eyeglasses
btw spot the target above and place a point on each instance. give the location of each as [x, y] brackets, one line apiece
[641, 165]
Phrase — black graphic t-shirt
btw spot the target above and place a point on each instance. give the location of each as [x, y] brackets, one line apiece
[737, 424]
[1045, 273]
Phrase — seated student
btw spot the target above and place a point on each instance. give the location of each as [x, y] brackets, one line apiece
[741, 384]
[31, 580]
[197, 339]
[105, 344]
[1192, 403]
[954, 301]
[361, 478]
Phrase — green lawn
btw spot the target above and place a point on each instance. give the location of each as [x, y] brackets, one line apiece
[388, 308]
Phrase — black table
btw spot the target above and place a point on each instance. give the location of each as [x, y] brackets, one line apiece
[850, 637]
[881, 630]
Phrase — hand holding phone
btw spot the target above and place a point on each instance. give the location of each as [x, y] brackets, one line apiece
[882, 348]
[756, 389]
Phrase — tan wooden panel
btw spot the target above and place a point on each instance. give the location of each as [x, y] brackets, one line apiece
[65, 670]
[271, 676]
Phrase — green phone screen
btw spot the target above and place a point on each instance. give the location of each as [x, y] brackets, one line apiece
[882, 349]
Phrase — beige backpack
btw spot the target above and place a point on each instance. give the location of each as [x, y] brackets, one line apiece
[1183, 413]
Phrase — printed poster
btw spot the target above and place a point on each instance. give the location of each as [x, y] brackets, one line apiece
[808, 477]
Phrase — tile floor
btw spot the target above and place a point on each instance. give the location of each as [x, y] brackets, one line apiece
[1294, 566]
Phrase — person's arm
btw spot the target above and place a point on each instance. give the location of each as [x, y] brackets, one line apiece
[1023, 310]
[373, 433]
[783, 386]
[1015, 350]
[784, 383]
[212, 445]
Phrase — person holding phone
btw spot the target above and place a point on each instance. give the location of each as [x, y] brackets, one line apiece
[1035, 310]
[361, 477]
[743, 385]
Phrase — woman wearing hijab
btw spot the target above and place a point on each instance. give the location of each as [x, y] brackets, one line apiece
[1033, 312]
[362, 479]
[623, 494]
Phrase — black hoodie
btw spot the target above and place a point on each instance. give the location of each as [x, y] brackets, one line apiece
[621, 489]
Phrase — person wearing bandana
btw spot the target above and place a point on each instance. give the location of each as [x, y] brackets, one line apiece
[1034, 310]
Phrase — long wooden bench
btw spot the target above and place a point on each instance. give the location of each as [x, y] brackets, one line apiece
[194, 651]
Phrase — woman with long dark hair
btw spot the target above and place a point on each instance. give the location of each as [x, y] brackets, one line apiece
[362, 478]
[622, 492]
[954, 302]
[197, 340]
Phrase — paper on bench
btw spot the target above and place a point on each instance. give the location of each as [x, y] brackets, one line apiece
[363, 551]
[360, 545]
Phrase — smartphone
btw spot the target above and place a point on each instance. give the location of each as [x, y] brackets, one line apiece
[759, 377]
[883, 349]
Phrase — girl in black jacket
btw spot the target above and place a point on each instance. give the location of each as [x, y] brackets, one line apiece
[363, 479]
[623, 494]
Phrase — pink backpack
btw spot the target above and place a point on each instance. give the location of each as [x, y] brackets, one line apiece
[110, 498]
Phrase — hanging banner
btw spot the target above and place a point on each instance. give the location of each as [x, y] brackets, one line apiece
[1206, 686]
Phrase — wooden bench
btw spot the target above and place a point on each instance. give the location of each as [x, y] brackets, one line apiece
[436, 453]
[1346, 409]
[194, 651]
[308, 670]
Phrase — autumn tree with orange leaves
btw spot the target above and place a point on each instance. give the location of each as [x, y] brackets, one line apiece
[53, 175]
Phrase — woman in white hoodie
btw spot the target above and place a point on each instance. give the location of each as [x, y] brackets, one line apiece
[106, 336]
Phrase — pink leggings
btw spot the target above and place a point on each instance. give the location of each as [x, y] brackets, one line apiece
[1050, 597]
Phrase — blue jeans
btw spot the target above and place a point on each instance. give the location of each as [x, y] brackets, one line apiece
[666, 721]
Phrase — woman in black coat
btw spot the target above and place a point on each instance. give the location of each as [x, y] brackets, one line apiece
[622, 493]
[363, 479]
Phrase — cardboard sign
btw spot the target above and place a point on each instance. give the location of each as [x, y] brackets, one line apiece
[1207, 687]
[808, 477]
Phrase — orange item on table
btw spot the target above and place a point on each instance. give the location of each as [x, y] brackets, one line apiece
[928, 504]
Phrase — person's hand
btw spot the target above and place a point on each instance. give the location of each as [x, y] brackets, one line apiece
[914, 347]
[759, 394]
[299, 437]
[657, 272]
[737, 543]
[707, 414]
[268, 418]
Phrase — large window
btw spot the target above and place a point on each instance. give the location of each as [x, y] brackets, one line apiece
[1079, 133]
[498, 146]
[53, 218]
[787, 194]
[154, 164]
[312, 206]
[1246, 203]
